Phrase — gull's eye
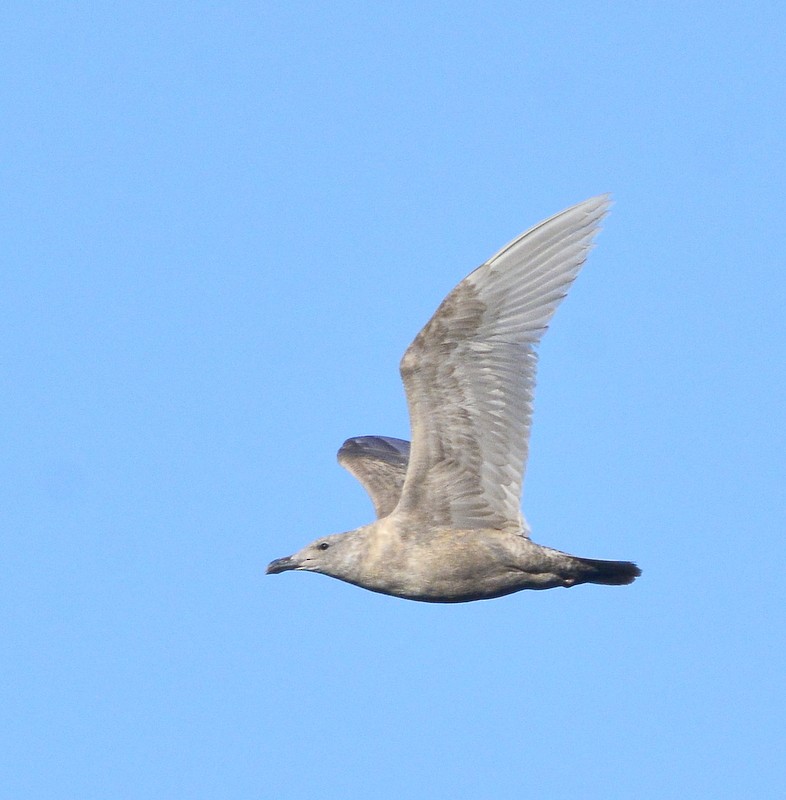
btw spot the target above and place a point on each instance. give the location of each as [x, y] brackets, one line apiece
[323, 545]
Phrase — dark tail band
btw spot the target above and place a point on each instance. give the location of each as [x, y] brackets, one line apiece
[608, 573]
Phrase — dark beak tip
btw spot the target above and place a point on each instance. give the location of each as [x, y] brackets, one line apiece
[279, 565]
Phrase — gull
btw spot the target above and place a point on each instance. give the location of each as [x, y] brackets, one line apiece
[449, 526]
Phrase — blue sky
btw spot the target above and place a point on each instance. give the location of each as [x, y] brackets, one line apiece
[221, 225]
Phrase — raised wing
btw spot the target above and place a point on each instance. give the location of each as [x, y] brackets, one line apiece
[470, 375]
[380, 464]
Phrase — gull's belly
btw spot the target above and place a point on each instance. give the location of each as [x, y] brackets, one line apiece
[454, 566]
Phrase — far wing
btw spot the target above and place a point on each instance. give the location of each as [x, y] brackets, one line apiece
[380, 464]
[470, 376]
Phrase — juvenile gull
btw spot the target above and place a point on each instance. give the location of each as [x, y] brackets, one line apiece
[449, 528]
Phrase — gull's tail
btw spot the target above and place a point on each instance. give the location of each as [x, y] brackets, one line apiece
[609, 573]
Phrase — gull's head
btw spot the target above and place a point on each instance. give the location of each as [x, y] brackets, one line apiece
[336, 555]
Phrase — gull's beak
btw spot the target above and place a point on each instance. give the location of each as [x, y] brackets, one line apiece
[281, 565]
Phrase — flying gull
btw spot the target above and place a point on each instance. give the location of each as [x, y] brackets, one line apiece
[449, 528]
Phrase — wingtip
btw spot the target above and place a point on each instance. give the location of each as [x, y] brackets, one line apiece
[597, 206]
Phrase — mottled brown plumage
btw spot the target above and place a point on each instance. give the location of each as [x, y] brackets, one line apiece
[449, 525]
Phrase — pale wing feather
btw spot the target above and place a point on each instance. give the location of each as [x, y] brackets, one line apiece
[380, 464]
[469, 376]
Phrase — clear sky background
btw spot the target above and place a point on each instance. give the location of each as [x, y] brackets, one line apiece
[221, 224]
